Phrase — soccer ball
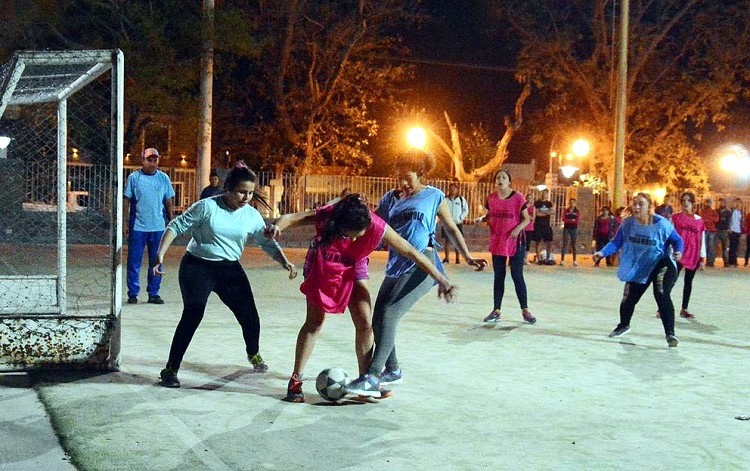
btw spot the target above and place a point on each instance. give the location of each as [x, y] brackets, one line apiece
[330, 383]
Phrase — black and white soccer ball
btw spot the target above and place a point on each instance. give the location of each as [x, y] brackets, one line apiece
[331, 383]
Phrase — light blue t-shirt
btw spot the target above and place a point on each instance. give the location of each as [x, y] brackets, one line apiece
[643, 247]
[413, 218]
[219, 233]
[147, 195]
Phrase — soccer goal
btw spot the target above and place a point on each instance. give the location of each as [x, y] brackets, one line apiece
[61, 128]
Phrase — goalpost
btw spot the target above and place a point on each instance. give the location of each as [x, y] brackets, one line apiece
[61, 170]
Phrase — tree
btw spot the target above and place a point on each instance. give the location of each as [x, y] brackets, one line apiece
[683, 76]
[321, 74]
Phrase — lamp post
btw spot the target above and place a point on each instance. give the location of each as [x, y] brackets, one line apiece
[417, 138]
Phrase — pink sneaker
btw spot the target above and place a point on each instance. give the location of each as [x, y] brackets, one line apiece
[528, 317]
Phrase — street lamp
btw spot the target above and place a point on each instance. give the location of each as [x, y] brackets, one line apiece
[581, 148]
[417, 137]
[737, 161]
[4, 142]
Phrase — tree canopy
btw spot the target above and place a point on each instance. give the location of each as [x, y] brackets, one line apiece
[687, 64]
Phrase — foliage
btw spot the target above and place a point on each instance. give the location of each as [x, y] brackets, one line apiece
[682, 77]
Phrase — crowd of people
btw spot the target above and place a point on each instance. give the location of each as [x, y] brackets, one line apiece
[650, 245]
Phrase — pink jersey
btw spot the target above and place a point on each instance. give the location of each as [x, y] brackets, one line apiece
[691, 229]
[503, 214]
[330, 270]
[531, 210]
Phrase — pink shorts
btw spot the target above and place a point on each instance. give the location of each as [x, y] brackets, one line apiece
[361, 270]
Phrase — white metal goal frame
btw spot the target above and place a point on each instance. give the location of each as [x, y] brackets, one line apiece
[39, 327]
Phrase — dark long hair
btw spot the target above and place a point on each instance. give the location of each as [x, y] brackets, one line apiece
[240, 173]
[350, 214]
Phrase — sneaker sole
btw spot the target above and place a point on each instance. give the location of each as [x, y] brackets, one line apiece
[294, 399]
[169, 385]
[673, 342]
[612, 335]
[395, 381]
[491, 321]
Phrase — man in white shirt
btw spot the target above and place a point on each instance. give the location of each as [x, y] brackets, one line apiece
[735, 231]
[459, 210]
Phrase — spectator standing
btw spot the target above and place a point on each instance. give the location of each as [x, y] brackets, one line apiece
[149, 207]
[543, 227]
[735, 231]
[665, 209]
[722, 230]
[571, 218]
[710, 217]
[213, 188]
[604, 229]
[459, 208]
[746, 231]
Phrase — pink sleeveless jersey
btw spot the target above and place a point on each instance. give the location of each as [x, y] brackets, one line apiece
[691, 229]
[503, 215]
[330, 270]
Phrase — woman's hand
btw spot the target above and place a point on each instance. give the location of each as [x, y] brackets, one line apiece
[446, 290]
[478, 263]
[515, 232]
[292, 270]
[158, 268]
[271, 231]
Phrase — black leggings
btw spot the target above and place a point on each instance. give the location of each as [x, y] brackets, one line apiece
[198, 278]
[663, 276]
[516, 273]
[687, 289]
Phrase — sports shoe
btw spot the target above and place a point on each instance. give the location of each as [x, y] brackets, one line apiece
[132, 300]
[445, 260]
[258, 364]
[366, 385]
[528, 317]
[169, 378]
[155, 300]
[687, 315]
[672, 340]
[391, 377]
[619, 330]
[575, 263]
[294, 390]
[562, 263]
[493, 316]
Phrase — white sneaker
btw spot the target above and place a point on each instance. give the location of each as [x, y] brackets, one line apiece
[575, 264]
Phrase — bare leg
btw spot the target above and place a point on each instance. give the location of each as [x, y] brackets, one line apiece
[307, 336]
[360, 307]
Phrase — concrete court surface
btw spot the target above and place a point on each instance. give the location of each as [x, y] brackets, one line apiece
[555, 395]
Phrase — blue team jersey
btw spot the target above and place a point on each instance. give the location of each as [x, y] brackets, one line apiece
[642, 247]
[414, 219]
[147, 195]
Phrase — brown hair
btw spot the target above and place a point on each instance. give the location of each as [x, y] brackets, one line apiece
[420, 161]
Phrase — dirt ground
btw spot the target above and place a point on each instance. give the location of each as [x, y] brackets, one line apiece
[556, 395]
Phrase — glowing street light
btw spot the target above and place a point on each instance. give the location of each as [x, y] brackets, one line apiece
[4, 142]
[417, 137]
[737, 161]
[581, 148]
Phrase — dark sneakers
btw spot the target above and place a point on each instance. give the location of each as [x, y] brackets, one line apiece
[169, 378]
[672, 340]
[154, 300]
[132, 300]
[294, 390]
[619, 330]
[258, 364]
[391, 377]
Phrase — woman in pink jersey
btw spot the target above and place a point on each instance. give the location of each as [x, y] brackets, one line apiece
[691, 228]
[507, 217]
[336, 274]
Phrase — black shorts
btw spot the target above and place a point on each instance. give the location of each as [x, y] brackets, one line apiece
[542, 233]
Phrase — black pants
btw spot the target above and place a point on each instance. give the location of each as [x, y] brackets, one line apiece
[198, 278]
[499, 263]
[734, 247]
[687, 288]
[663, 276]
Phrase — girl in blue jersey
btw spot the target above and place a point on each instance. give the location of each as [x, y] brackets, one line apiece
[220, 226]
[644, 240]
[411, 213]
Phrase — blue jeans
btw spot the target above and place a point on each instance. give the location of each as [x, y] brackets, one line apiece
[137, 241]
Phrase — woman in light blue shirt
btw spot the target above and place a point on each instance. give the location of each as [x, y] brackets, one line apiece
[650, 249]
[220, 227]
